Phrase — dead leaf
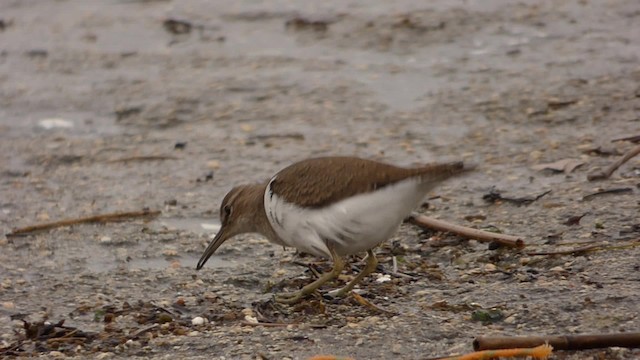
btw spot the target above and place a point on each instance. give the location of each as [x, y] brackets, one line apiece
[565, 165]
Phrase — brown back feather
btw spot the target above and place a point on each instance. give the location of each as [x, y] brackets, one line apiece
[323, 181]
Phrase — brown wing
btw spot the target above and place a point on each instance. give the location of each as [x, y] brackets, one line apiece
[323, 181]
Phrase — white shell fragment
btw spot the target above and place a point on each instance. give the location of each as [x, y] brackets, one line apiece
[55, 123]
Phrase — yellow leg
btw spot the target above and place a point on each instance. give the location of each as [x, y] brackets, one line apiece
[338, 265]
[372, 263]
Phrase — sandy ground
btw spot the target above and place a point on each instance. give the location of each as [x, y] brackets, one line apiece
[125, 105]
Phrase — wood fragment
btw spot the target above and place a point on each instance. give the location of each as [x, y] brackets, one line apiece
[588, 248]
[267, 324]
[538, 352]
[606, 173]
[494, 195]
[362, 301]
[607, 192]
[102, 218]
[561, 342]
[143, 330]
[143, 158]
[633, 139]
[470, 233]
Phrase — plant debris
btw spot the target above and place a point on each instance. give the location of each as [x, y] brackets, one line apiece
[495, 195]
[615, 191]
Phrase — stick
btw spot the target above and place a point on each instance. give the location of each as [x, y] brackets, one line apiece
[266, 324]
[142, 331]
[601, 175]
[605, 192]
[143, 158]
[563, 342]
[103, 218]
[538, 352]
[480, 235]
[587, 248]
[364, 302]
[634, 138]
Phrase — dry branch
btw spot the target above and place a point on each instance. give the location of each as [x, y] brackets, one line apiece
[102, 218]
[562, 342]
[475, 234]
[605, 174]
[538, 352]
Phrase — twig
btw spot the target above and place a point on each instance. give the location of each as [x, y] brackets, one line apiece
[103, 218]
[266, 324]
[633, 139]
[66, 339]
[586, 249]
[606, 192]
[479, 235]
[605, 174]
[562, 342]
[143, 158]
[362, 301]
[143, 330]
[494, 195]
[577, 251]
[538, 352]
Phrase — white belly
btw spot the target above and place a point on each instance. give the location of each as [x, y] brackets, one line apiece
[353, 225]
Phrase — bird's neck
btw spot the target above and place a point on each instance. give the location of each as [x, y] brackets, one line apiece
[261, 222]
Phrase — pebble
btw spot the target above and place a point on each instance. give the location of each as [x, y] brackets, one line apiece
[397, 349]
[56, 354]
[251, 319]
[198, 321]
[8, 305]
[194, 333]
[55, 123]
[105, 239]
[170, 252]
[490, 268]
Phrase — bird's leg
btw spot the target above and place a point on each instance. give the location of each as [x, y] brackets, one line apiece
[338, 265]
[372, 263]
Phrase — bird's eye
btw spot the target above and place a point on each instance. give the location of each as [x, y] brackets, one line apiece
[227, 210]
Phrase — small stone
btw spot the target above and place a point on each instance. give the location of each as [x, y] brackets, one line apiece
[251, 319]
[8, 305]
[198, 321]
[383, 278]
[132, 344]
[511, 319]
[247, 312]
[55, 123]
[194, 333]
[397, 349]
[490, 268]
[213, 164]
[557, 269]
[170, 252]
[105, 355]
[56, 354]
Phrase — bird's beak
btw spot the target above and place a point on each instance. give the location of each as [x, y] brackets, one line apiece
[220, 237]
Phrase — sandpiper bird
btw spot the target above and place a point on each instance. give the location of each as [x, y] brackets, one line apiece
[329, 207]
